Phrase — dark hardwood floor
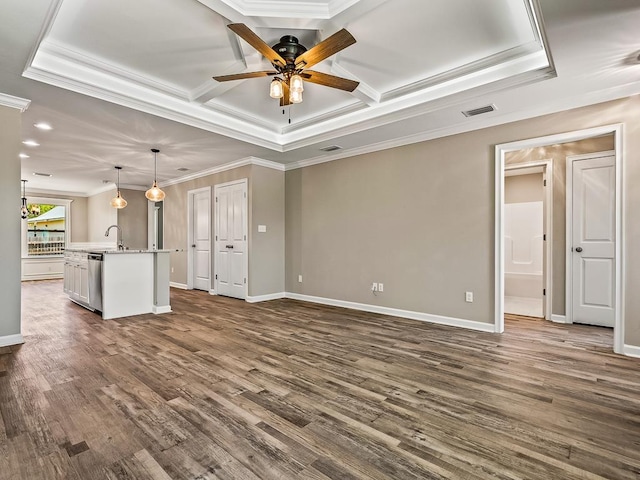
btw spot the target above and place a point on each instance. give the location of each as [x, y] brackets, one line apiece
[221, 389]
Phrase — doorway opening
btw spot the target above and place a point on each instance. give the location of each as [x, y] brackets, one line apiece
[559, 296]
[528, 238]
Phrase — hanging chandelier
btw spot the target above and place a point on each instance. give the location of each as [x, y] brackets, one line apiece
[24, 212]
[118, 201]
[155, 194]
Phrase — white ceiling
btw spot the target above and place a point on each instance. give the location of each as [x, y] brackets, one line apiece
[116, 78]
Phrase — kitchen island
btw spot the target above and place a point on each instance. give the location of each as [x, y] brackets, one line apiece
[118, 283]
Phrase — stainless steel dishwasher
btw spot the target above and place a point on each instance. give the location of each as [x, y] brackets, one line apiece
[95, 281]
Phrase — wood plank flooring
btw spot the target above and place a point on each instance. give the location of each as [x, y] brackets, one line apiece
[221, 389]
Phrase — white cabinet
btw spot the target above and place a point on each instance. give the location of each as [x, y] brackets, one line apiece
[76, 276]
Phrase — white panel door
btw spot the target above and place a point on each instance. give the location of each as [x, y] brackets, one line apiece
[201, 240]
[231, 239]
[593, 248]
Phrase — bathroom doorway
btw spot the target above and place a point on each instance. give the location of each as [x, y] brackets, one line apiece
[527, 217]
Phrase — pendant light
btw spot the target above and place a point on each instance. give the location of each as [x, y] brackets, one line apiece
[118, 201]
[154, 194]
[24, 212]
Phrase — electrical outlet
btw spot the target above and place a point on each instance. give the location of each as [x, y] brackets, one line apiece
[468, 297]
[380, 287]
[374, 287]
[299, 278]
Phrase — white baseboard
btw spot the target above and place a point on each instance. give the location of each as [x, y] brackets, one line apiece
[424, 317]
[181, 286]
[161, 309]
[631, 351]
[265, 298]
[42, 276]
[559, 318]
[9, 340]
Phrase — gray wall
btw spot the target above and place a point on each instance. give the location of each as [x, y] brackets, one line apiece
[266, 250]
[266, 207]
[415, 218]
[133, 219]
[10, 124]
[100, 215]
[175, 216]
[420, 219]
[523, 188]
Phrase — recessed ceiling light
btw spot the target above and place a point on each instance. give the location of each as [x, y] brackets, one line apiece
[38, 174]
[23, 155]
[31, 143]
[43, 126]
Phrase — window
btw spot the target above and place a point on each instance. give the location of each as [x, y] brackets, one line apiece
[46, 227]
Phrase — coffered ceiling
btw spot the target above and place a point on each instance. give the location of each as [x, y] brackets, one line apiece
[116, 78]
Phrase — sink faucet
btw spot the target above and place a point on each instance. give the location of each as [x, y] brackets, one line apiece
[120, 242]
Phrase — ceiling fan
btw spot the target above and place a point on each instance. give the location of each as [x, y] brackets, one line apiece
[291, 60]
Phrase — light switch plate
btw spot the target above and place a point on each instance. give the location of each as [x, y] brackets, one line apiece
[262, 228]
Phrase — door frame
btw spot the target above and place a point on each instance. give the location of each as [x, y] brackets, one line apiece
[569, 228]
[190, 195]
[245, 206]
[500, 150]
[547, 166]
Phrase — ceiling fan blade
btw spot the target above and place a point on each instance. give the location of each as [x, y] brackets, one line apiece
[336, 42]
[329, 80]
[256, 42]
[240, 76]
[284, 101]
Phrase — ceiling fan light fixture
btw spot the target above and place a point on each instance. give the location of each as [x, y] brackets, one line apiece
[155, 194]
[295, 83]
[117, 201]
[276, 89]
[295, 96]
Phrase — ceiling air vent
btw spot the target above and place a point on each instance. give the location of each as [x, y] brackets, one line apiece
[183, 169]
[39, 174]
[331, 148]
[479, 111]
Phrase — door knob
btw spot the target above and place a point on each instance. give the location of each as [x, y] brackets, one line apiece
[193, 246]
[229, 246]
[578, 249]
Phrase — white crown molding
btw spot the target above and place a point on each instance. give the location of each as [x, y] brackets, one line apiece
[66, 68]
[144, 99]
[93, 63]
[223, 168]
[14, 102]
[102, 189]
[469, 125]
[394, 312]
[288, 8]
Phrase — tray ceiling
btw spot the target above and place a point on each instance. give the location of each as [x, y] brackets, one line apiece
[409, 54]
